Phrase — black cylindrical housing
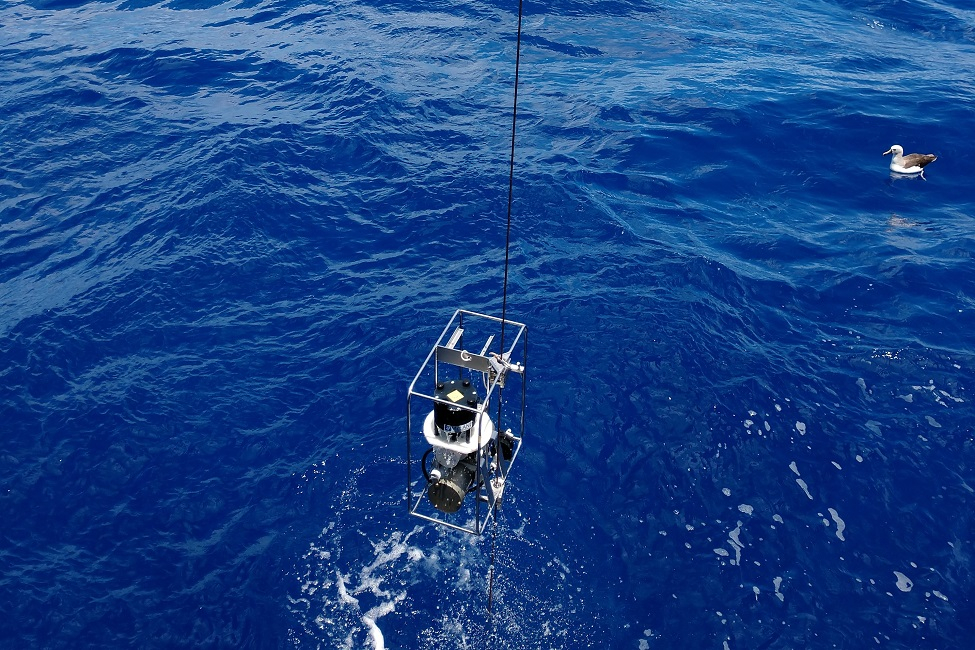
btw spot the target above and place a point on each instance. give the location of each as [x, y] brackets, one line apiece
[447, 494]
[450, 419]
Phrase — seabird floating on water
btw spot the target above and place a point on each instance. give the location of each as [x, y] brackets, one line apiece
[912, 163]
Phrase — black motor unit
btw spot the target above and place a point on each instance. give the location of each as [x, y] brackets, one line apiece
[453, 422]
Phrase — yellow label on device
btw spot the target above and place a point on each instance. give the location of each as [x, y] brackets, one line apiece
[455, 395]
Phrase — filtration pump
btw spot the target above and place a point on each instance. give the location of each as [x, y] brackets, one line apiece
[466, 453]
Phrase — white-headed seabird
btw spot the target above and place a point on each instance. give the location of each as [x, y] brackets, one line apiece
[912, 163]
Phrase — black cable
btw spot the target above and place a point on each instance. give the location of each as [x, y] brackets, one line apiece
[511, 179]
[423, 464]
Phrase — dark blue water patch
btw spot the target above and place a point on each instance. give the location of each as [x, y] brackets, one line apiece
[163, 473]
[561, 48]
[293, 19]
[262, 17]
[282, 16]
[616, 113]
[181, 70]
[56, 5]
[597, 8]
[196, 5]
[681, 488]
[887, 62]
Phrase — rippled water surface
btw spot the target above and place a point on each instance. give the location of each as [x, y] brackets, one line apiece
[230, 232]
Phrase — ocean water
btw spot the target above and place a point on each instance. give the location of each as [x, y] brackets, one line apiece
[230, 232]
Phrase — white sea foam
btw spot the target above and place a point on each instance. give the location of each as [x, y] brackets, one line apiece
[840, 524]
[951, 397]
[863, 387]
[904, 583]
[354, 599]
[805, 488]
[734, 539]
[369, 620]
[361, 582]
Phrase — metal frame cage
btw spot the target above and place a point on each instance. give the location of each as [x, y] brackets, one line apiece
[496, 441]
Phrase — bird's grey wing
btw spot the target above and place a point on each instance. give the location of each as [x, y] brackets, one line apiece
[917, 160]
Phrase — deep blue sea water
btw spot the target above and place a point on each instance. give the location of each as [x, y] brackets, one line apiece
[229, 233]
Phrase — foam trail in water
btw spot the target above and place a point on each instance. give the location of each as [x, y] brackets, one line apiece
[840, 524]
[904, 583]
[799, 481]
[369, 619]
[345, 606]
